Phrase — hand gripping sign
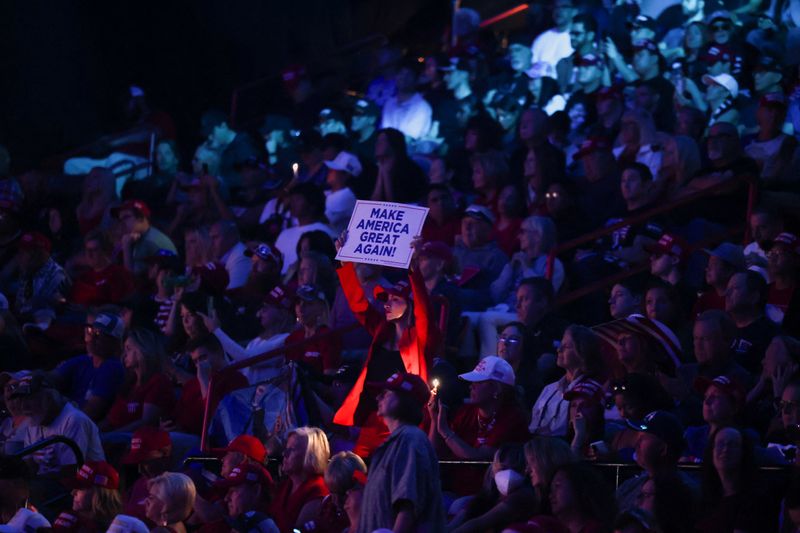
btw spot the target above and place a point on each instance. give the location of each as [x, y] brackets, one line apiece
[381, 233]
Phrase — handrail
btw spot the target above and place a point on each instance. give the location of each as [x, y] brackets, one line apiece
[56, 439]
[646, 215]
[255, 360]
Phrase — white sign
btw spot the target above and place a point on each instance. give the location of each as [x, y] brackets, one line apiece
[381, 233]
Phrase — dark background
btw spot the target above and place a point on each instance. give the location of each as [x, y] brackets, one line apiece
[65, 66]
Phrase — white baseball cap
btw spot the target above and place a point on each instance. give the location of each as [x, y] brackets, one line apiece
[725, 80]
[347, 162]
[493, 368]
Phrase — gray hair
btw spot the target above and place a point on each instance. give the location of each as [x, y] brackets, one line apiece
[545, 227]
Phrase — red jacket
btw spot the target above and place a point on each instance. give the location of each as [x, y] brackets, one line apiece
[416, 345]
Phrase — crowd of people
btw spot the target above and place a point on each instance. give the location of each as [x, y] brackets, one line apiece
[607, 274]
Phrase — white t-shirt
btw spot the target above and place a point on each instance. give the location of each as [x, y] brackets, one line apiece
[551, 47]
[412, 117]
[255, 374]
[287, 241]
[72, 423]
[339, 206]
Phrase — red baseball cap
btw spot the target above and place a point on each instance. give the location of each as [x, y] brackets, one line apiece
[247, 445]
[404, 382]
[137, 206]
[213, 277]
[66, 521]
[401, 288]
[280, 296]
[94, 474]
[729, 386]
[246, 473]
[146, 440]
[671, 245]
[592, 144]
[33, 240]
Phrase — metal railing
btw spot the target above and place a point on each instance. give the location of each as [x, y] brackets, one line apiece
[726, 186]
[49, 441]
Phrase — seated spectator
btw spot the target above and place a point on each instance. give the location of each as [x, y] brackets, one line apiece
[104, 282]
[666, 500]
[772, 149]
[153, 189]
[579, 500]
[399, 178]
[579, 355]
[248, 492]
[599, 192]
[147, 392]
[307, 205]
[341, 477]
[435, 262]
[626, 299]
[442, 223]
[96, 498]
[229, 251]
[98, 193]
[765, 225]
[780, 366]
[140, 240]
[489, 175]
[299, 495]
[680, 160]
[478, 256]
[714, 332]
[638, 142]
[635, 396]
[340, 199]
[662, 302]
[476, 430]
[585, 416]
[276, 319]
[723, 262]
[315, 268]
[537, 237]
[783, 260]
[511, 209]
[43, 283]
[92, 380]
[658, 447]
[514, 346]
[267, 262]
[723, 400]
[667, 262]
[312, 311]
[407, 111]
[733, 498]
[745, 301]
[560, 200]
[721, 92]
[170, 501]
[504, 498]
[544, 456]
[151, 452]
[234, 147]
[208, 358]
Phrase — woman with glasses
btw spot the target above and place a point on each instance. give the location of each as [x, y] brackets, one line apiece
[513, 346]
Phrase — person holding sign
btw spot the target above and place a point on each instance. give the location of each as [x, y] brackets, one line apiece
[403, 340]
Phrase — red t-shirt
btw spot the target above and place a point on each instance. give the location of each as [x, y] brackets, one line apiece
[286, 506]
[127, 408]
[110, 285]
[508, 237]
[510, 425]
[188, 413]
[446, 233]
[780, 298]
[321, 355]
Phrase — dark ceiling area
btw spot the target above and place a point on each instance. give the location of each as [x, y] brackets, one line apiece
[67, 65]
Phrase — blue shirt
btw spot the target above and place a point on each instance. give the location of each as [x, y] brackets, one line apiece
[83, 380]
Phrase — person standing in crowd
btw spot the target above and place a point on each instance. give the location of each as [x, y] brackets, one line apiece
[403, 490]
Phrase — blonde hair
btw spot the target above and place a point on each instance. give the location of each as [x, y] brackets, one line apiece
[548, 454]
[339, 473]
[318, 450]
[179, 495]
[106, 504]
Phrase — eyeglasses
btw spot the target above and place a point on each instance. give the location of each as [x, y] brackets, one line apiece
[509, 341]
[786, 407]
[91, 330]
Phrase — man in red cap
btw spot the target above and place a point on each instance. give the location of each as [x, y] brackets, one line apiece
[249, 489]
[43, 283]
[140, 240]
[667, 259]
[151, 452]
[403, 491]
